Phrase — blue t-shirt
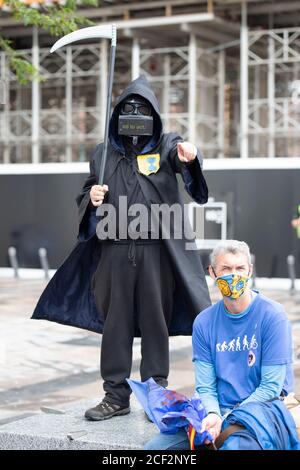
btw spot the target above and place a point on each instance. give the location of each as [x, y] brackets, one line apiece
[239, 346]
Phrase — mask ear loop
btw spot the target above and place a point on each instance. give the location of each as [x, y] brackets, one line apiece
[214, 272]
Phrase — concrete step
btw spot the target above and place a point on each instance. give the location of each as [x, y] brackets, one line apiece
[67, 429]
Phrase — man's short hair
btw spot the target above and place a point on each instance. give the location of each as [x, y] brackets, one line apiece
[230, 246]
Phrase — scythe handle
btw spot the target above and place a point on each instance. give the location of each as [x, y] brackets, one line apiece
[108, 108]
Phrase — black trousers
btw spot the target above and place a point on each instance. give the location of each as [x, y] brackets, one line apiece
[133, 286]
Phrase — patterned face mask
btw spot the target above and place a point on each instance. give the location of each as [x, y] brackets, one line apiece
[232, 285]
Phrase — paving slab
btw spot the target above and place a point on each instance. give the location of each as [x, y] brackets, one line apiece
[69, 430]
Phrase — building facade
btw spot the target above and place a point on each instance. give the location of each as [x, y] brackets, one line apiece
[226, 75]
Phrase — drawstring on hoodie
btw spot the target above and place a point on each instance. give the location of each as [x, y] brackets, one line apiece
[132, 252]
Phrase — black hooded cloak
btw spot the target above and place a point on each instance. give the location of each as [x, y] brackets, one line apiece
[68, 298]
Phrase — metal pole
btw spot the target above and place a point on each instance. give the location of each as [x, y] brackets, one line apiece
[19, 147]
[256, 138]
[244, 144]
[35, 123]
[192, 87]
[5, 114]
[271, 97]
[166, 90]
[44, 261]
[12, 254]
[109, 99]
[295, 66]
[224, 221]
[69, 113]
[135, 59]
[292, 272]
[221, 103]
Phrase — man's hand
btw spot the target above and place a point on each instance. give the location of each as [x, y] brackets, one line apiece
[295, 222]
[97, 194]
[212, 423]
[186, 152]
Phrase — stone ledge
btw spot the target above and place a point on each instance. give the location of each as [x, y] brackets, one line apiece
[69, 430]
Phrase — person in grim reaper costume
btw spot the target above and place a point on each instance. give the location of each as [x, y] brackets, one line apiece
[127, 286]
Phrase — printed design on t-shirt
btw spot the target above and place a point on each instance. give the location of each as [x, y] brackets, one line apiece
[238, 344]
[251, 358]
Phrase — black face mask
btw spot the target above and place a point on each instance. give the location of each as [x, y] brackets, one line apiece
[135, 118]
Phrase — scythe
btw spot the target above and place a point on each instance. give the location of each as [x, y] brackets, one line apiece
[101, 31]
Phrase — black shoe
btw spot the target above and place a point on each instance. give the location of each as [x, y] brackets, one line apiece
[106, 410]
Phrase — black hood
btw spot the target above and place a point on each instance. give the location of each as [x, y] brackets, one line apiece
[140, 87]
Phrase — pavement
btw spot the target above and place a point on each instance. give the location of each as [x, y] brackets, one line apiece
[66, 429]
[47, 366]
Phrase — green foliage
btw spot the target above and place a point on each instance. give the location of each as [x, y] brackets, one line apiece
[24, 70]
[57, 20]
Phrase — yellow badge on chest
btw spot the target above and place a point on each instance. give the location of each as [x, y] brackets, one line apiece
[148, 163]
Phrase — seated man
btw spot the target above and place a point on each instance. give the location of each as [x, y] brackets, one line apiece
[242, 347]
